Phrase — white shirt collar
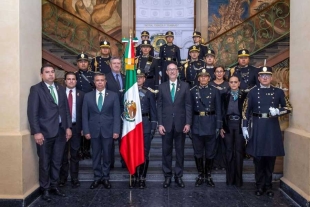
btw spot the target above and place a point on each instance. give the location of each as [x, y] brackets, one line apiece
[264, 86]
[68, 89]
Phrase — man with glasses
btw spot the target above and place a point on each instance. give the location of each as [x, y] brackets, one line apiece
[174, 120]
[264, 104]
[207, 121]
[246, 73]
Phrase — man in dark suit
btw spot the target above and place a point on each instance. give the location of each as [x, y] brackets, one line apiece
[101, 124]
[75, 101]
[174, 119]
[50, 123]
[116, 83]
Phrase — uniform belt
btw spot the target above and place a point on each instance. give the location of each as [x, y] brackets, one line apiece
[204, 113]
[150, 77]
[262, 115]
[233, 117]
[145, 114]
[169, 59]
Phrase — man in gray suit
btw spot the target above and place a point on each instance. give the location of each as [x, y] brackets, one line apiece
[50, 124]
[174, 120]
[101, 124]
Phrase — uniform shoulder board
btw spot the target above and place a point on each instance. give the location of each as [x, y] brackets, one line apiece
[247, 90]
[232, 71]
[193, 88]
[150, 89]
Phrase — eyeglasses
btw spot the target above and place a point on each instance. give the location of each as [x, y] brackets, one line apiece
[233, 81]
[219, 71]
[265, 76]
[172, 69]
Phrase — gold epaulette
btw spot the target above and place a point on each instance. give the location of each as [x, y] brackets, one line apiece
[248, 89]
[136, 60]
[193, 87]
[150, 89]
[232, 71]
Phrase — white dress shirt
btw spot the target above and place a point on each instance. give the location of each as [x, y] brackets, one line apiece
[73, 102]
[97, 96]
[175, 86]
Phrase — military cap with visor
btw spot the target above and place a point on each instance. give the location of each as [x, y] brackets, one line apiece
[203, 73]
[82, 56]
[169, 34]
[105, 44]
[243, 53]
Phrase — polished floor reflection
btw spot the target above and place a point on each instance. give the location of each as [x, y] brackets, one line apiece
[155, 195]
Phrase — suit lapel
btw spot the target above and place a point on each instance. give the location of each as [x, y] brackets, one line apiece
[58, 93]
[167, 89]
[178, 88]
[94, 100]
[105, 99]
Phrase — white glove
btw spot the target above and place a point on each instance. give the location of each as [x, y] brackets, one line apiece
[274, 111]
[245, 133]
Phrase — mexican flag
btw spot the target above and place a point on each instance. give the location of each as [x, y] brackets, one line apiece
[132, 142]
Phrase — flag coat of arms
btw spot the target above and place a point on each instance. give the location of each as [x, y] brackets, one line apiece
[132, 142]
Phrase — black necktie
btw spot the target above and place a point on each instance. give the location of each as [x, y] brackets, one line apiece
[117, 80]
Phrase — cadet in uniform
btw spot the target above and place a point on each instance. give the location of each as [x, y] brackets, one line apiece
[209, 63]
[247, 73]
[169, 53]
[149, 121]
[264, 103]
[207, 122]
[147, 64]
[85, 83]
[190, 69]
[145, 35]
[197, 43]
[102, 63]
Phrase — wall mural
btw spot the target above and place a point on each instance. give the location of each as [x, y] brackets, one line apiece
[100, 13]
[225, 14]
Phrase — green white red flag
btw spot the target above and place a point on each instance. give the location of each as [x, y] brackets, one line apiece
[132, 142]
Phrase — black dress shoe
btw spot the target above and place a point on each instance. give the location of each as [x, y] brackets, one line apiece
[95, 184]
[199, 181]
[58, 192]
[61, 183]
[179, 182]
[106, 184]
[259, 192]
[270, 193]
[46, 196]
[210, 182]
[142, 184]
[75, 183]
[167, 182]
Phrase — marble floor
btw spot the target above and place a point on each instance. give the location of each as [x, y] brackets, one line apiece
[154, 195]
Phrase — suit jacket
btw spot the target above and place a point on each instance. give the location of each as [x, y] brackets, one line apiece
[104, 122]
[43, 113]
[225, 101]
[113, 86]
[178, 112]
[79, 104]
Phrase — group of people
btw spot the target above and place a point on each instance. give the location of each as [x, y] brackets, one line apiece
[194, 98]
